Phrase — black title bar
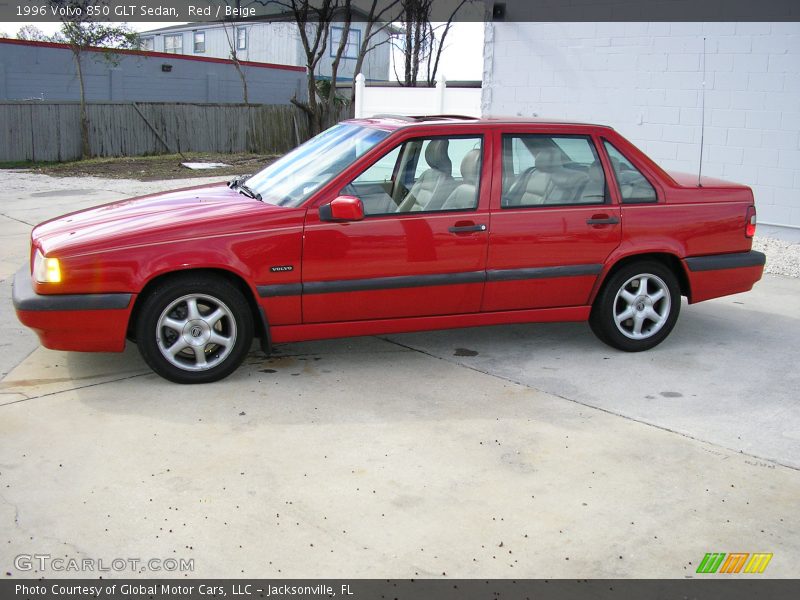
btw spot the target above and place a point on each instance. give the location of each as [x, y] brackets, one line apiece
[716, 587]
[442, 10]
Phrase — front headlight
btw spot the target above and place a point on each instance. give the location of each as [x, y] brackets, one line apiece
[46, 270]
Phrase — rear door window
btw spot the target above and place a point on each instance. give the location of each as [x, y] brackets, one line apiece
[542, 170]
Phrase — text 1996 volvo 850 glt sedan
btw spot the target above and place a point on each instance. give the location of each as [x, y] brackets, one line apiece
[393, 224]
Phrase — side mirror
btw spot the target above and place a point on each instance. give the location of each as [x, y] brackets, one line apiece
[342, 208]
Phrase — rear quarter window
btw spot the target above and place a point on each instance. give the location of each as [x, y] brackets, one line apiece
[634, 187]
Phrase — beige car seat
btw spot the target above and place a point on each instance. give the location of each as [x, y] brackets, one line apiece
[436, 182]
[466, 194]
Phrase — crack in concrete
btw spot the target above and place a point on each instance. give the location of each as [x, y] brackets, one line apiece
[80, 387]
[17, 220]
[24, 358]
[19, 526]
[584, 404]
[16, 510]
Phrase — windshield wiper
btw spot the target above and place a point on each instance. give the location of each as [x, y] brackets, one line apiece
[243, 189]
[236, 181]
[238, 184]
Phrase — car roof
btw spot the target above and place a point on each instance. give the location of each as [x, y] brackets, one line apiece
[392, 121]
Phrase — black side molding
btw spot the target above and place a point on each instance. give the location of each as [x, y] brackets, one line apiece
[543, 272]
[280, 289]
[410, 281]
[25, 298]
[714, 262]
[391, 283]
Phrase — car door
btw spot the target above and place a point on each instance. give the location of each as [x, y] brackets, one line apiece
[554, 221]
[420, 249]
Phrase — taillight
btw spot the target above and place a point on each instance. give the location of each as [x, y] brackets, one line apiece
[750, 222]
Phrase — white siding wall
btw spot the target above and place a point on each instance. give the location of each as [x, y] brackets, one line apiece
[266, 42]
[376, 62]
[644, 79]
[277, 43]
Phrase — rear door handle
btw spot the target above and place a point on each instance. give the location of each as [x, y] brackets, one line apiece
[467, 228]
[602, 221]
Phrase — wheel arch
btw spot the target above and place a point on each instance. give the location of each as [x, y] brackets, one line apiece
[668, 259]
[259, 318]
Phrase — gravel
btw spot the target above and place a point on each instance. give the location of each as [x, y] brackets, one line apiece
[783, 258]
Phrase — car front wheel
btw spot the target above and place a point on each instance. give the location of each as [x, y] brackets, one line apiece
[637, 308]
[194, 329]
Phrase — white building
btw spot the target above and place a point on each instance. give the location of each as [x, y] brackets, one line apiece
[646, 81]
[270, 42]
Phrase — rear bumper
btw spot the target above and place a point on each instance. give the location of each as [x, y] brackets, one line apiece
[82, 322]
[723, 274]
[718, 262]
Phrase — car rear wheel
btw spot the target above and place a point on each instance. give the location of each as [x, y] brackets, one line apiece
[194, 329]
[637, 307]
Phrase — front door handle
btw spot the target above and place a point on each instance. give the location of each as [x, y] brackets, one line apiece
[466, 228]
[600, 220]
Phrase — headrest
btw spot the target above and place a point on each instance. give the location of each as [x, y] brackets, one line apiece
[437, 157]
[548, 159]
[470, 165]
[595, 171]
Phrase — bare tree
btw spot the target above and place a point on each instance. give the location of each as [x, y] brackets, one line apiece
[331, 99]
[377, 20]
[422, 41]
[82, 35]
[231, 35]
[439, 35]
[415, 18]
[32, 33]
[313, 19]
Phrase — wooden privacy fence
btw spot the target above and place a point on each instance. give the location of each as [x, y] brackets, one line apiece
[50, 131]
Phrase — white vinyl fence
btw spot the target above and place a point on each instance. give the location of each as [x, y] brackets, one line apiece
[453, 98]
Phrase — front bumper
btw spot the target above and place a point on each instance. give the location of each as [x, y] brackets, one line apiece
[82, 322]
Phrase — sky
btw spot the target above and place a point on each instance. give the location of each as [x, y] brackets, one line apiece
[462, 57]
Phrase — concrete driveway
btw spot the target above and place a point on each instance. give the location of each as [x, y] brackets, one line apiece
[519, 451]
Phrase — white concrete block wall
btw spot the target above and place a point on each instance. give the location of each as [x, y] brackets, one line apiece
[645, 80]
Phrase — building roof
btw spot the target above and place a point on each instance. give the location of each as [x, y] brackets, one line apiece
[277, 17]
[147, 53]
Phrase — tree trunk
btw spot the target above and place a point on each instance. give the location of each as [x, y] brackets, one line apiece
[313, 109]
[231, 38]
[244, 80]
[418, 41]
[409, 41]
[330, 104]
[86, 150]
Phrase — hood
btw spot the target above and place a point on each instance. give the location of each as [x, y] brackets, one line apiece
[188, 212]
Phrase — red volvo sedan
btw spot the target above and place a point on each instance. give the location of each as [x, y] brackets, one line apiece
[387, 225]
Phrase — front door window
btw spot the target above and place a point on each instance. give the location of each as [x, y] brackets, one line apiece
[422, 175]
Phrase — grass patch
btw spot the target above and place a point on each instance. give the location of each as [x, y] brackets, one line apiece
[25, 164]
[150, 168]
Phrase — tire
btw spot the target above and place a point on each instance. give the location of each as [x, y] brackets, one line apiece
[652, 314]
[207, 316]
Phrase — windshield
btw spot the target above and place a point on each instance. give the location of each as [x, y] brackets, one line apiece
[292, 179]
